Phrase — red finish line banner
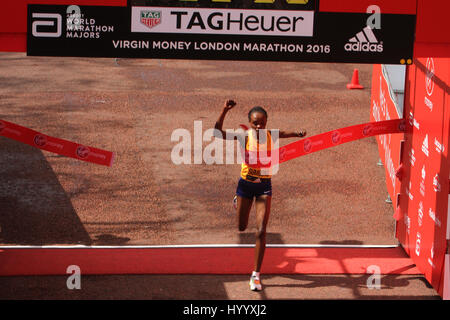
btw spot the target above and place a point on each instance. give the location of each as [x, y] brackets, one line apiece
[55, 145]
[265, 159]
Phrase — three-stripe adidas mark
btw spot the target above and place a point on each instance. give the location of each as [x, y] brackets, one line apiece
[364, 40]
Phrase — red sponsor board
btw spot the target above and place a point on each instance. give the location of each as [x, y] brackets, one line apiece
[389, 145]
[425, 186]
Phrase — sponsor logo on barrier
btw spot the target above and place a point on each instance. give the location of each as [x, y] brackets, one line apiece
[422, 182]
[40, 140]
[389, 163]
[411, 118]
[367, 130]
[416, 124]
[429, 81]
[408, 191]
[433, 217]
[428, 103]
[150, 18]
[83, 152]
[412, 158]
[436, 184]
[420, 213]
[336, 137]
[364, 41]
[425, 145]
[418, 240]
[307, 145]
[223, 21]
[383, 101]
[282, 153]
[430, 260]
[376, 111]
[439, 146]
[407, 223]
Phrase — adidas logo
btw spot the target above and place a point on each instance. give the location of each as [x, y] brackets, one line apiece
[365, 41]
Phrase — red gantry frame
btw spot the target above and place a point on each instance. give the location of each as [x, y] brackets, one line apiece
[417, 167]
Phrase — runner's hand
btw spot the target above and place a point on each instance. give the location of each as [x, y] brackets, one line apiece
[229, 104]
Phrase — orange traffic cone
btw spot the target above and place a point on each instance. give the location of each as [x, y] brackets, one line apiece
[355, 81]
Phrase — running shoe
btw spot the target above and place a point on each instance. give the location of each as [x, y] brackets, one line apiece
[235, 202]
[255, 284]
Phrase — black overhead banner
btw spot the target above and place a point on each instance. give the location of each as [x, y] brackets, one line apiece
[289, 30]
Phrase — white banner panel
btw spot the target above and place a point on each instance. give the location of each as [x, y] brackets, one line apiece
[223, 21]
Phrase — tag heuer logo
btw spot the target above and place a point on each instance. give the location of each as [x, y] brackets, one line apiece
[151, 18]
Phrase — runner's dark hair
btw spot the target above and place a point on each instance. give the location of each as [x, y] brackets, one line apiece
[256, 109]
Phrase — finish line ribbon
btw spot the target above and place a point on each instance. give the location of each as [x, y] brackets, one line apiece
[265, 159]
[55, 145]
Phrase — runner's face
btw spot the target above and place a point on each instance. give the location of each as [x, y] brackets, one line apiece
[258, 120]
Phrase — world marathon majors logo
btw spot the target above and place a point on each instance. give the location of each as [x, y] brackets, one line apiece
[67, 25]
[364, 41]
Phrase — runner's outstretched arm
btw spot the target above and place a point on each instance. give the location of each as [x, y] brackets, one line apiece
[293, 134]
[219, 133]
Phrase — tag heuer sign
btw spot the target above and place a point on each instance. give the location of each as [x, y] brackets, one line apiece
[151, 18]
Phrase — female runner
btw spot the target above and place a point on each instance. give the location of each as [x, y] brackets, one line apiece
[254, 183]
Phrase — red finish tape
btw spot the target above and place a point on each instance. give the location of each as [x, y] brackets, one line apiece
[55, 145]
[322, 141]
